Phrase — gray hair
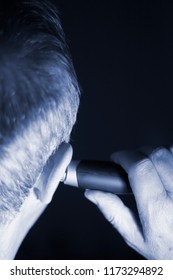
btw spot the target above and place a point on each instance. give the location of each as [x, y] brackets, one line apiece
[39, 97]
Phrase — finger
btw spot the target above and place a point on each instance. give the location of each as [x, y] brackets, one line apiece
[162, 159]
[143, 177]
[127, 158]
[53, 172]
[119, 216]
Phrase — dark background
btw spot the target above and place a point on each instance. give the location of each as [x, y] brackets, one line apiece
[123, 55]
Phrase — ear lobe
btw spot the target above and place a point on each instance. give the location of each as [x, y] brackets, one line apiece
[52, 173]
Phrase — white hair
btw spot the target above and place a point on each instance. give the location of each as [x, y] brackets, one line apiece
[39, 98]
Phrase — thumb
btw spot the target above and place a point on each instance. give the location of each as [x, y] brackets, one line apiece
[120, 216]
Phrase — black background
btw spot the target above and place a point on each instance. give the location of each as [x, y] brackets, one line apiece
[123, 55]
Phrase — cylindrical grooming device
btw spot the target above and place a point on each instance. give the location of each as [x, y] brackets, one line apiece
[97, 175]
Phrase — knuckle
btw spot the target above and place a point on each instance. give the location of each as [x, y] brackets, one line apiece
[171, 149]
[111, 219]
[141, 168]
[158, 153]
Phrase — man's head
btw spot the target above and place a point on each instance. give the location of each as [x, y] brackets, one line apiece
[39, 97]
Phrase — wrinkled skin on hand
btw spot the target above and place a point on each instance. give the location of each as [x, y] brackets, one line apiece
[150, 174]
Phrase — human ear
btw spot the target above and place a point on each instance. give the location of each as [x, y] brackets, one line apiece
[52, 173]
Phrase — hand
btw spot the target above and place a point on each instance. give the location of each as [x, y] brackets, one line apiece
[150, 174]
